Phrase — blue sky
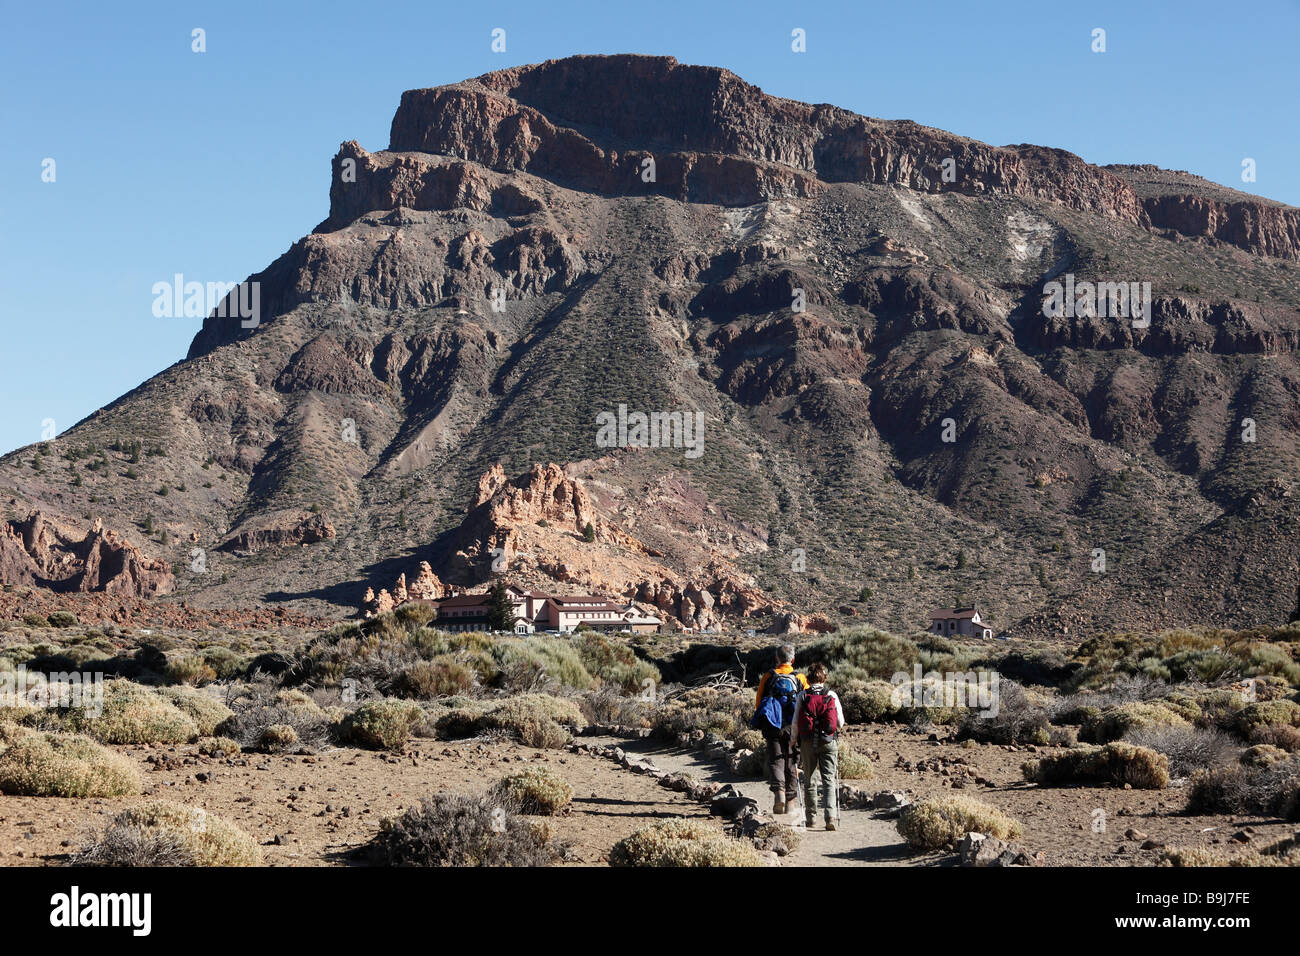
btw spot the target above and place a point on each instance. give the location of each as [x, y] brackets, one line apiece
[212, 164]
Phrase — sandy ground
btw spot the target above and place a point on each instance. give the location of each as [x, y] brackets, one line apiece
[316, 810]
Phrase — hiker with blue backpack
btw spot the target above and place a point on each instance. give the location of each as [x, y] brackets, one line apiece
[818, 718]
[774, 706]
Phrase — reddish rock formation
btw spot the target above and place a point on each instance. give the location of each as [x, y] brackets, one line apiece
[40, 552]
[280, 531]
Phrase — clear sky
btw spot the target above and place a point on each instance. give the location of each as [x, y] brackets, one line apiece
[211, 164]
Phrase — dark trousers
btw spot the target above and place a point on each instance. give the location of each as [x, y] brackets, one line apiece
[782, 763]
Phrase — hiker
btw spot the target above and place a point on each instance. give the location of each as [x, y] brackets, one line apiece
[818, 718]
[774, 715]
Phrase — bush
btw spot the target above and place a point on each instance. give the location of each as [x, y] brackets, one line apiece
[1271, 789]
[682, 843]
[930, 701]
[615, 663]
[171, 834]
[1115, 763]
[1116, 722]
[865, 702]
[1188, 748]
[1017, 721]
[278, 738]
[1262, 755]
[1284, 713]
[853, 765]
[63, 619]
[443, 676]
[536, 790]
[381, 724]
[936, 823]
[1277, 735]
[205, 710]
[38, 764]
[874, 653]
[534, 662]
[190, 670]
[132, 714]
[449, 830]
[258, 707]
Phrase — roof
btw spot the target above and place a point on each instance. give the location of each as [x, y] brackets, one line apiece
[953, 613]
[466, 600]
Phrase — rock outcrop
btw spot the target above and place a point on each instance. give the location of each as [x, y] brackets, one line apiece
[38, 551]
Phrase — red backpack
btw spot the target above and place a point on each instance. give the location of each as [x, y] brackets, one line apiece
[819, 715]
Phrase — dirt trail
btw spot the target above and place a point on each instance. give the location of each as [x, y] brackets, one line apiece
[861, 840]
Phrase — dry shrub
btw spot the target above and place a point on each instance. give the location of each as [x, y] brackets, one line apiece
[1276, 735]
[853, 765]
[864, 701]
[171, 834]
[609, 706]
[34, 763]
[443, 676]
[536, 790]
[450, 830]
[278, 738]
[1264, 713]
[203, 708]
[936, 823]
[682, 843]
[1188, 748]
[1115, 763]
[190, 670]
[1285, 852]
[381, 724]
[1018, 719]
[132, 714]
[259, 706]
[1262, 755]
[1271, 789]
[1117, 722]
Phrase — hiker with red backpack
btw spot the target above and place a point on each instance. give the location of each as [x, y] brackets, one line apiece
[774, 716]
[818, 718]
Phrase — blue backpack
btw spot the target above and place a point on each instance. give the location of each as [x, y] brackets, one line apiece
[776, 709]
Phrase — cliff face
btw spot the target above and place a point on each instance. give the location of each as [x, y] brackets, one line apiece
[854, 306]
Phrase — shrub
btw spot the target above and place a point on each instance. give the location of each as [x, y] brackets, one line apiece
[1263, 713]
[873, 652]
[853, 765]
[171, 834]
[414, 614]
[930, 701]
[277, 738]
[615, 663]
[449, 830]
[1262, 755]
[205, 710]
[682, 843]
[1116, 763]
[1188, 748]
[1115, 722]
[533, 662]
[38, 764]
[63, 619]
[865, 702]
[381, 724]
[1278, 735]
[608, 705]
[441, 677]
[936, 823]
[190, 670]
[1269, 789]
[132, 714]
[36, 620]
[258, 707]
[537, 790]
[1017, 721]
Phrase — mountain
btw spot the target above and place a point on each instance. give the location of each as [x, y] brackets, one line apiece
[542, 246]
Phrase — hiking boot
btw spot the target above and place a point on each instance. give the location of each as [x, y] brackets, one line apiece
[778, 806]
[810, 822]
[830, 825]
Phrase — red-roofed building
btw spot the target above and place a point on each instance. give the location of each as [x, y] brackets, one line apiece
[959, 622]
